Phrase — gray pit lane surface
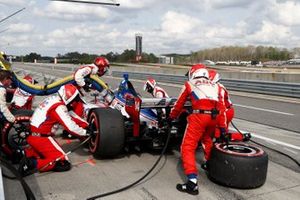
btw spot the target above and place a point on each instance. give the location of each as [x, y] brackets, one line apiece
[90, 177]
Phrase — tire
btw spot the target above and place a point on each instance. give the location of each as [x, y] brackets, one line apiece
[239, 166]
[13, 136]
[182, 122]
[110, 137]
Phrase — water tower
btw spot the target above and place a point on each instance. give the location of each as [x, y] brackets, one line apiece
[138, 47]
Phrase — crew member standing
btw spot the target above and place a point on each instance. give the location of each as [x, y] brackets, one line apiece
[206, 107]
[99, 67]
[214, 76]
[157, 92]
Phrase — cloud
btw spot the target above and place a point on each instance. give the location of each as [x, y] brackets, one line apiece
[273, 34]
[20, 28]
[286, 13]
[136, 4]
[175, 23]
[13, 2]
[224, 32]
[49, 27]
[219, 4]
[72, 12]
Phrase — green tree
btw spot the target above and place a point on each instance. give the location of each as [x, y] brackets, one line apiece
[31, 57]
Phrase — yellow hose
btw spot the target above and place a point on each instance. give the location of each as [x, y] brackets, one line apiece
[97, 83]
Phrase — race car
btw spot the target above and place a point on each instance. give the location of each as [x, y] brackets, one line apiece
[141, 122]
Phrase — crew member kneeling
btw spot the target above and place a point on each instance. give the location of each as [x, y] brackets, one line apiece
[44, 153]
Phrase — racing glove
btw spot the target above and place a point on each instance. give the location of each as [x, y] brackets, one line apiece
[86, 88]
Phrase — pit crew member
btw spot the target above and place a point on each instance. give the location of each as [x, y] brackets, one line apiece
[206, 106]
[5, 82]
[44, 153]
[22, 99]
[157, 92]
[215, 77]
[99, 67]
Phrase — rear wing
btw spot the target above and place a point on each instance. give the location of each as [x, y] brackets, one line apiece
[161, 103]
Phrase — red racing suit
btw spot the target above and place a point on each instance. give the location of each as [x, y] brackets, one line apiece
[201, 123]
[84, 71]
[44, 147]
[229, 110]
[158, 92]
[22, 100]
[5, 114]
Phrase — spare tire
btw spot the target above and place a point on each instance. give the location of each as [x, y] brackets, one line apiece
[238, 165]
[13, 136]
[110, 137]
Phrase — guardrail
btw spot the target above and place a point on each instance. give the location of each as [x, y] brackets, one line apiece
[254, 86]
[261, 87]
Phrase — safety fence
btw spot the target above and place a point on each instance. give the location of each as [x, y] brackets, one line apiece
[260, 87]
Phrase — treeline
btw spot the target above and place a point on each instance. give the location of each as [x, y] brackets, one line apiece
[237, 53]
[226, 53]
[84, 58]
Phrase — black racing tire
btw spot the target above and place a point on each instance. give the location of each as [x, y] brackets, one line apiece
[13, 136]
[110, 132]
[239, 166]
[182, 122]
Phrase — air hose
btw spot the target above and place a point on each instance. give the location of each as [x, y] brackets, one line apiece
[140, 179]
[42, 90]
[293, 159]
[29, 194]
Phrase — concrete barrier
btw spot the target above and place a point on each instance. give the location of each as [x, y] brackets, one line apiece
[227, 72]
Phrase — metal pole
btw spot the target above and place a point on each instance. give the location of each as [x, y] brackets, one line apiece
[90, 2]
[12, 15]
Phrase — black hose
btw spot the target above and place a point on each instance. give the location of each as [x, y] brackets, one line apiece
[140, 179]
[28, 192]
[9, 177]
[277, 151]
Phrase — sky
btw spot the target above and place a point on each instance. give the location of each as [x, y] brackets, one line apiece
[170, 26]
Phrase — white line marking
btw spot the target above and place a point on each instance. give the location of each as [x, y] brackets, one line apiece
[274, 141]
[262, 109]
[294, 152]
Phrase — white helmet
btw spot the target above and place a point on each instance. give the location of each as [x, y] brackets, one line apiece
[198, 71]
[214, 76]
[149, 85]
[68, 93]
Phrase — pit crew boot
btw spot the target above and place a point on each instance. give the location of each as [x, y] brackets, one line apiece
[27, 166]
[62, 165]
[17, 156]
[188, 187]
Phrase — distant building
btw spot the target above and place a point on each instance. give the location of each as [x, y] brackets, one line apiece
[138, 47]
[166, 60]
[295, 61]
[208, 62]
